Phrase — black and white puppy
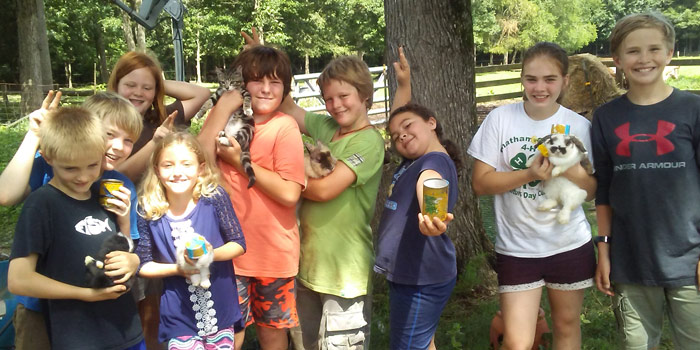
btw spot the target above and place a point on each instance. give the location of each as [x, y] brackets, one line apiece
[564, 152]
[95, 275]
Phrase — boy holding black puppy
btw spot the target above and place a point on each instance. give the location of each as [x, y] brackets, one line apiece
[63, 222]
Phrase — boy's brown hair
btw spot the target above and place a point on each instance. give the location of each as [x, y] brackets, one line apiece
[264, 61]
[351, 70]
[110, 106]
[636, 21]
[70, 132]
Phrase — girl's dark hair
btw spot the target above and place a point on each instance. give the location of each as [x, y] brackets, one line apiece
[551, 50]
[426, 114]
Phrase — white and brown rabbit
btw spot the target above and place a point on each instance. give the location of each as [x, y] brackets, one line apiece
[564, 152]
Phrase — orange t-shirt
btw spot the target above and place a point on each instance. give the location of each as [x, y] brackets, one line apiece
[270, 229]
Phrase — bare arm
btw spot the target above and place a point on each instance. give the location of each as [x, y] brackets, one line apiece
[136, 165]
[192, 96]
[284, 192]
[299, 114]
[602, 273]
[331, 186]
[486, 180]
[24, 280]
[14, 180]
[403, 81]
[216, 121]
[228, 251]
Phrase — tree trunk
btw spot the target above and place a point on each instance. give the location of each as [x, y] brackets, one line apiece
[140, 31]
[199, 60]
[306, 64]
[505, 58]
[490, 59]
[43, 48]
[101, 55]
[128, 32]
[69, 74]
[30, 64]
[442, 77]
[515, 57]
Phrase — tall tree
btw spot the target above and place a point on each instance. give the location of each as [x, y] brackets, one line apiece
[43, 48]
[30, 52]
[441, 53]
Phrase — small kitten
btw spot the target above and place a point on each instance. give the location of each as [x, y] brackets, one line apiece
[564, 152]
[95, 275]
[202, 263]
[228, 80]
[318, 160]
[241, 124]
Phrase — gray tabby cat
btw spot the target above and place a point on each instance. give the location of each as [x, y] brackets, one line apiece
[241, 124]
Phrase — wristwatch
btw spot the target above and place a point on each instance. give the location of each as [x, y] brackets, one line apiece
[599, 239]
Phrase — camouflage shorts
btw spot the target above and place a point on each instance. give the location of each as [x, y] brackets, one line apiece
[268, 301]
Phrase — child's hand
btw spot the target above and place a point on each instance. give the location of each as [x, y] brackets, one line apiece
[121, 203]
[541, 168]
[403, 70]
[230, 155]
[602, 271]
[165, 128]
[186, 273]
[252, 40]
[434, 227]
[37, 117]
[119, 263]
[230, 101]
[100, 294]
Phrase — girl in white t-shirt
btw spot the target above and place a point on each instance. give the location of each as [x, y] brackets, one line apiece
[533, 249]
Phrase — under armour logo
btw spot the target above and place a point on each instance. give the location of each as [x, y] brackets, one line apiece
[663, 145]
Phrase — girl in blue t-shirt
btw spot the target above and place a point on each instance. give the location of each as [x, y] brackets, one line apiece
[419, 287]
[180, 193]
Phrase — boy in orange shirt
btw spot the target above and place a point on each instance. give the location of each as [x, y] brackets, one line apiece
[266, 211]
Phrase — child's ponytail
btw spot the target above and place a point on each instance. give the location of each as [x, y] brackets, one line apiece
[452, 150]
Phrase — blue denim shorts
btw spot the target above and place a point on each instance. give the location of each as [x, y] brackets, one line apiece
[415, 312]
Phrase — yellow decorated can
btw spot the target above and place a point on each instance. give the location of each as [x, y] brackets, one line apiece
[435, 198]
[107, 186]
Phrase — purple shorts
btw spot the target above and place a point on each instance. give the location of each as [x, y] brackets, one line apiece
[571, 270]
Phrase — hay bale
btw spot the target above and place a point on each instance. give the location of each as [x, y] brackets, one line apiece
[591, 84]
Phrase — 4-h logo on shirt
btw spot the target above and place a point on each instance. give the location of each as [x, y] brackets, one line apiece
[518, 163]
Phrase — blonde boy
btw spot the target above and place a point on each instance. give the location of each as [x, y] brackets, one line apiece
[645, 150]
[59, 225]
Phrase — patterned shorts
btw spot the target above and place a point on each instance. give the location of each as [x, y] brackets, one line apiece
[221, 340]
[268, 301]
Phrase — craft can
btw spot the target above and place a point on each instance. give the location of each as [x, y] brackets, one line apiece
[196, 247]
[107, 186]
[435, 198]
